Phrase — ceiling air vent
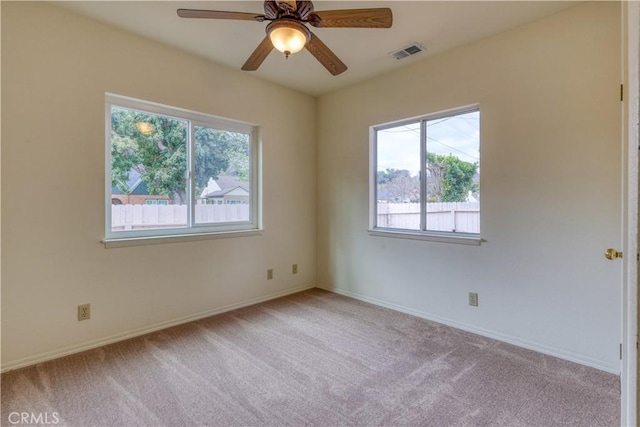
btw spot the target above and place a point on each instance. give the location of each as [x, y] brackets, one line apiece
[407, 51]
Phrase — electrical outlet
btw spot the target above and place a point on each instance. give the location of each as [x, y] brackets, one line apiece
[294, 269]
[84, 312]
[473, 299]
[270, 274]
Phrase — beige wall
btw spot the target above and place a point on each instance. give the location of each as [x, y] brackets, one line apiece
[550, 185]
[550, 188]
[56, 68]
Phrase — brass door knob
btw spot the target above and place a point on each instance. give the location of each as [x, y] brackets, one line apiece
[612, 254]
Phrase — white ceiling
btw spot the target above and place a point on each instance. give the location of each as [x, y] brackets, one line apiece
[436, 25]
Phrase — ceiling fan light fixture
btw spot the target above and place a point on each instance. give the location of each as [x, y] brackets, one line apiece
[288, 36]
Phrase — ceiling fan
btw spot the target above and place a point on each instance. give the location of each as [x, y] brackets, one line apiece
[288, 33]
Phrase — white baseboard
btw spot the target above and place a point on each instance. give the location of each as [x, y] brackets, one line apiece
[77, 348]
[551, 351]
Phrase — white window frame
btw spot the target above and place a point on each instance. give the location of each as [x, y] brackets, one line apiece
[193, 229]
[422, 234]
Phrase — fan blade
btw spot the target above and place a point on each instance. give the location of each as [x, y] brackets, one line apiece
[325, 56]
[259, 55]
[217, 14]
[352, 18]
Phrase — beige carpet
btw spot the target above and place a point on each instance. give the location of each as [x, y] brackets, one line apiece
[313, 358]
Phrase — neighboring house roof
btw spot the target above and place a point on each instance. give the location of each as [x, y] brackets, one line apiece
[225, 186]
[135, 185]
[134, 180]
[225, 181]
[139, 188]
[237, 191]
[211, 187]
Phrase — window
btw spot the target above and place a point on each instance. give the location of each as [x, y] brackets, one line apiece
[426, 176]
[156, 202]
[168, 168]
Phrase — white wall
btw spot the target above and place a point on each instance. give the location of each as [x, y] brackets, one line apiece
[56, 68]
[550, 185]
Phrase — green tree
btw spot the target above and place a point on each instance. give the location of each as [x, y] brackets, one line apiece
[158, 152]
[451, 179]
[218, 151]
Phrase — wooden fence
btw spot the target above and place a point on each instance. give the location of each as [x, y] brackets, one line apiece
[459, 217]
[136, 217]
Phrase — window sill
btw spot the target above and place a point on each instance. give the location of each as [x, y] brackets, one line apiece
[462, 239]
[156, 240]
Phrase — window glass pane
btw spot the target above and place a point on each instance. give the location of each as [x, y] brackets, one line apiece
[148, 171]
[222, 176]
[397, 177]
[453, 173]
